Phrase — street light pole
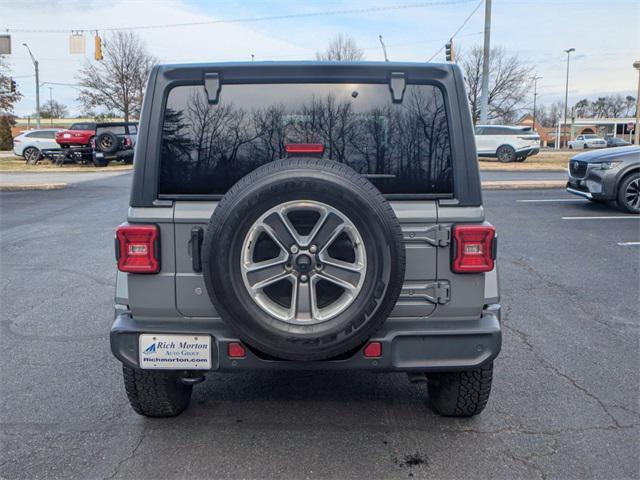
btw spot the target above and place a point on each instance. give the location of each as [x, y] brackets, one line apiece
[484, 94]
[566, 89]
[636, 65]
[535, 95]
[35, 65]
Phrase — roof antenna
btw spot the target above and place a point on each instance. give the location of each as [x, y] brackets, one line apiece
[384, 49]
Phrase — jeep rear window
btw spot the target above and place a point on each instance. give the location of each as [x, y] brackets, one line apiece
[402, 148]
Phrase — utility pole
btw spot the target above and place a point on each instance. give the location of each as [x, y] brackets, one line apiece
[535, 95]
[35, 65]
[566, 89]
[636, 65]
[51, 105]
[484, 97]
[384, 49]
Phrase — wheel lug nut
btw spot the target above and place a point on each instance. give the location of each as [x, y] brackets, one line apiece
[318, 266]
[303, 278]
[294, 249]
[313, 249]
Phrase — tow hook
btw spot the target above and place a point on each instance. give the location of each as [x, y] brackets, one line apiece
[192, 378]
[417, 377]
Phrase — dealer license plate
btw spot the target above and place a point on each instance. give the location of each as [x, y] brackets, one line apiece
[175, 352]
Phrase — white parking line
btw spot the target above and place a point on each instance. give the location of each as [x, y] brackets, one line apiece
[554, 200]
[628, 244]
[633, 217]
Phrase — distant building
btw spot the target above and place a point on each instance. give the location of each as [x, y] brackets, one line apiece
[603, 127]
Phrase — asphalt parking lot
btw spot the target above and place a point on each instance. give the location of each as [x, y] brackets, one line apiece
[564, 404]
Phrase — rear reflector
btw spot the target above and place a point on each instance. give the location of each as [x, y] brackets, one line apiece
[474, 248]
[373, 350]
[137, 248]
[317, 148]
[236, 350]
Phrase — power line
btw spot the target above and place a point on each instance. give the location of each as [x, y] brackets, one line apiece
[459, 29]
[406, 6]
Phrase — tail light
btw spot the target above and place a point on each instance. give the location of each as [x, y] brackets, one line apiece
[474, 248]
[313, 148]
[127, 142]
[138, 248]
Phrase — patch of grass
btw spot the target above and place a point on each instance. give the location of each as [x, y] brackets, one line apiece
[545, 160]
[18, 164]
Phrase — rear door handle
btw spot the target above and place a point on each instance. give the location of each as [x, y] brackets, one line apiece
[197, 235]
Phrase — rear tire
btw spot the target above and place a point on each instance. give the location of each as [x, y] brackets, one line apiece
[156, 394]
[506, 154]
[460, 394]
[32, 155]
[629, 194]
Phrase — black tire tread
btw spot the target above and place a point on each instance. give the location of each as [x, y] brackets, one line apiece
[460, 394]
[155, 394]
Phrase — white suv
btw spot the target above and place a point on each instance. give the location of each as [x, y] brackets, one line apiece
[588, 141]
[507, 144]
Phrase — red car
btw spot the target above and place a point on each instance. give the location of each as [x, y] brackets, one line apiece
[79, 134]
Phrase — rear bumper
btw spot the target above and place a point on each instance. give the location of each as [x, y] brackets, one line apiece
[407, 345]
[528, 151]
[119, 155]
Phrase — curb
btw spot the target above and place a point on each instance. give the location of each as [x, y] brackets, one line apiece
[522, 184]
[18, 187]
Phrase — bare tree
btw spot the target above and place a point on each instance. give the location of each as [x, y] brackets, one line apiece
[548, 116]
[118, 82]
[54, 109]
[342, 48]
[7, 97]
[508, 83]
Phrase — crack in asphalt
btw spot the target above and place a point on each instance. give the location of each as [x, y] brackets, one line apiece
[525, 340]
[128, 457]
[570, 294]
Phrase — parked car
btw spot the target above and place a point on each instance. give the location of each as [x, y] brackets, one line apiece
[247, 248]
[506, 143]
[588, 141]
[29, 144]
[114, 141]
[78, 135]
[617, 142]
[608, 175]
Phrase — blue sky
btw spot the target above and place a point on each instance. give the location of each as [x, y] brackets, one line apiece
[604, 33]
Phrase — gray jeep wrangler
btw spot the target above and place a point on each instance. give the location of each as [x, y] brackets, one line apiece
[306, 216]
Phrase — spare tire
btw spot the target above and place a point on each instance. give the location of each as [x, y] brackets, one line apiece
[107, 142]
[304, 259]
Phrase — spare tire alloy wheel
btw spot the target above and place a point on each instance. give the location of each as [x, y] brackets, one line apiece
[304, 262]
[107, 142]
[303, 259]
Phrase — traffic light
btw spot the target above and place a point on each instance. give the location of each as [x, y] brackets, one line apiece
[12, 86]
[98, 48]
[448, 50]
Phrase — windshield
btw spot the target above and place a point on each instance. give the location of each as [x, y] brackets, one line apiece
[590, 136]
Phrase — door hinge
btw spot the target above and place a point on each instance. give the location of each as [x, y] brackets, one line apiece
[436, 235]
[442, 292]
[432, 292]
